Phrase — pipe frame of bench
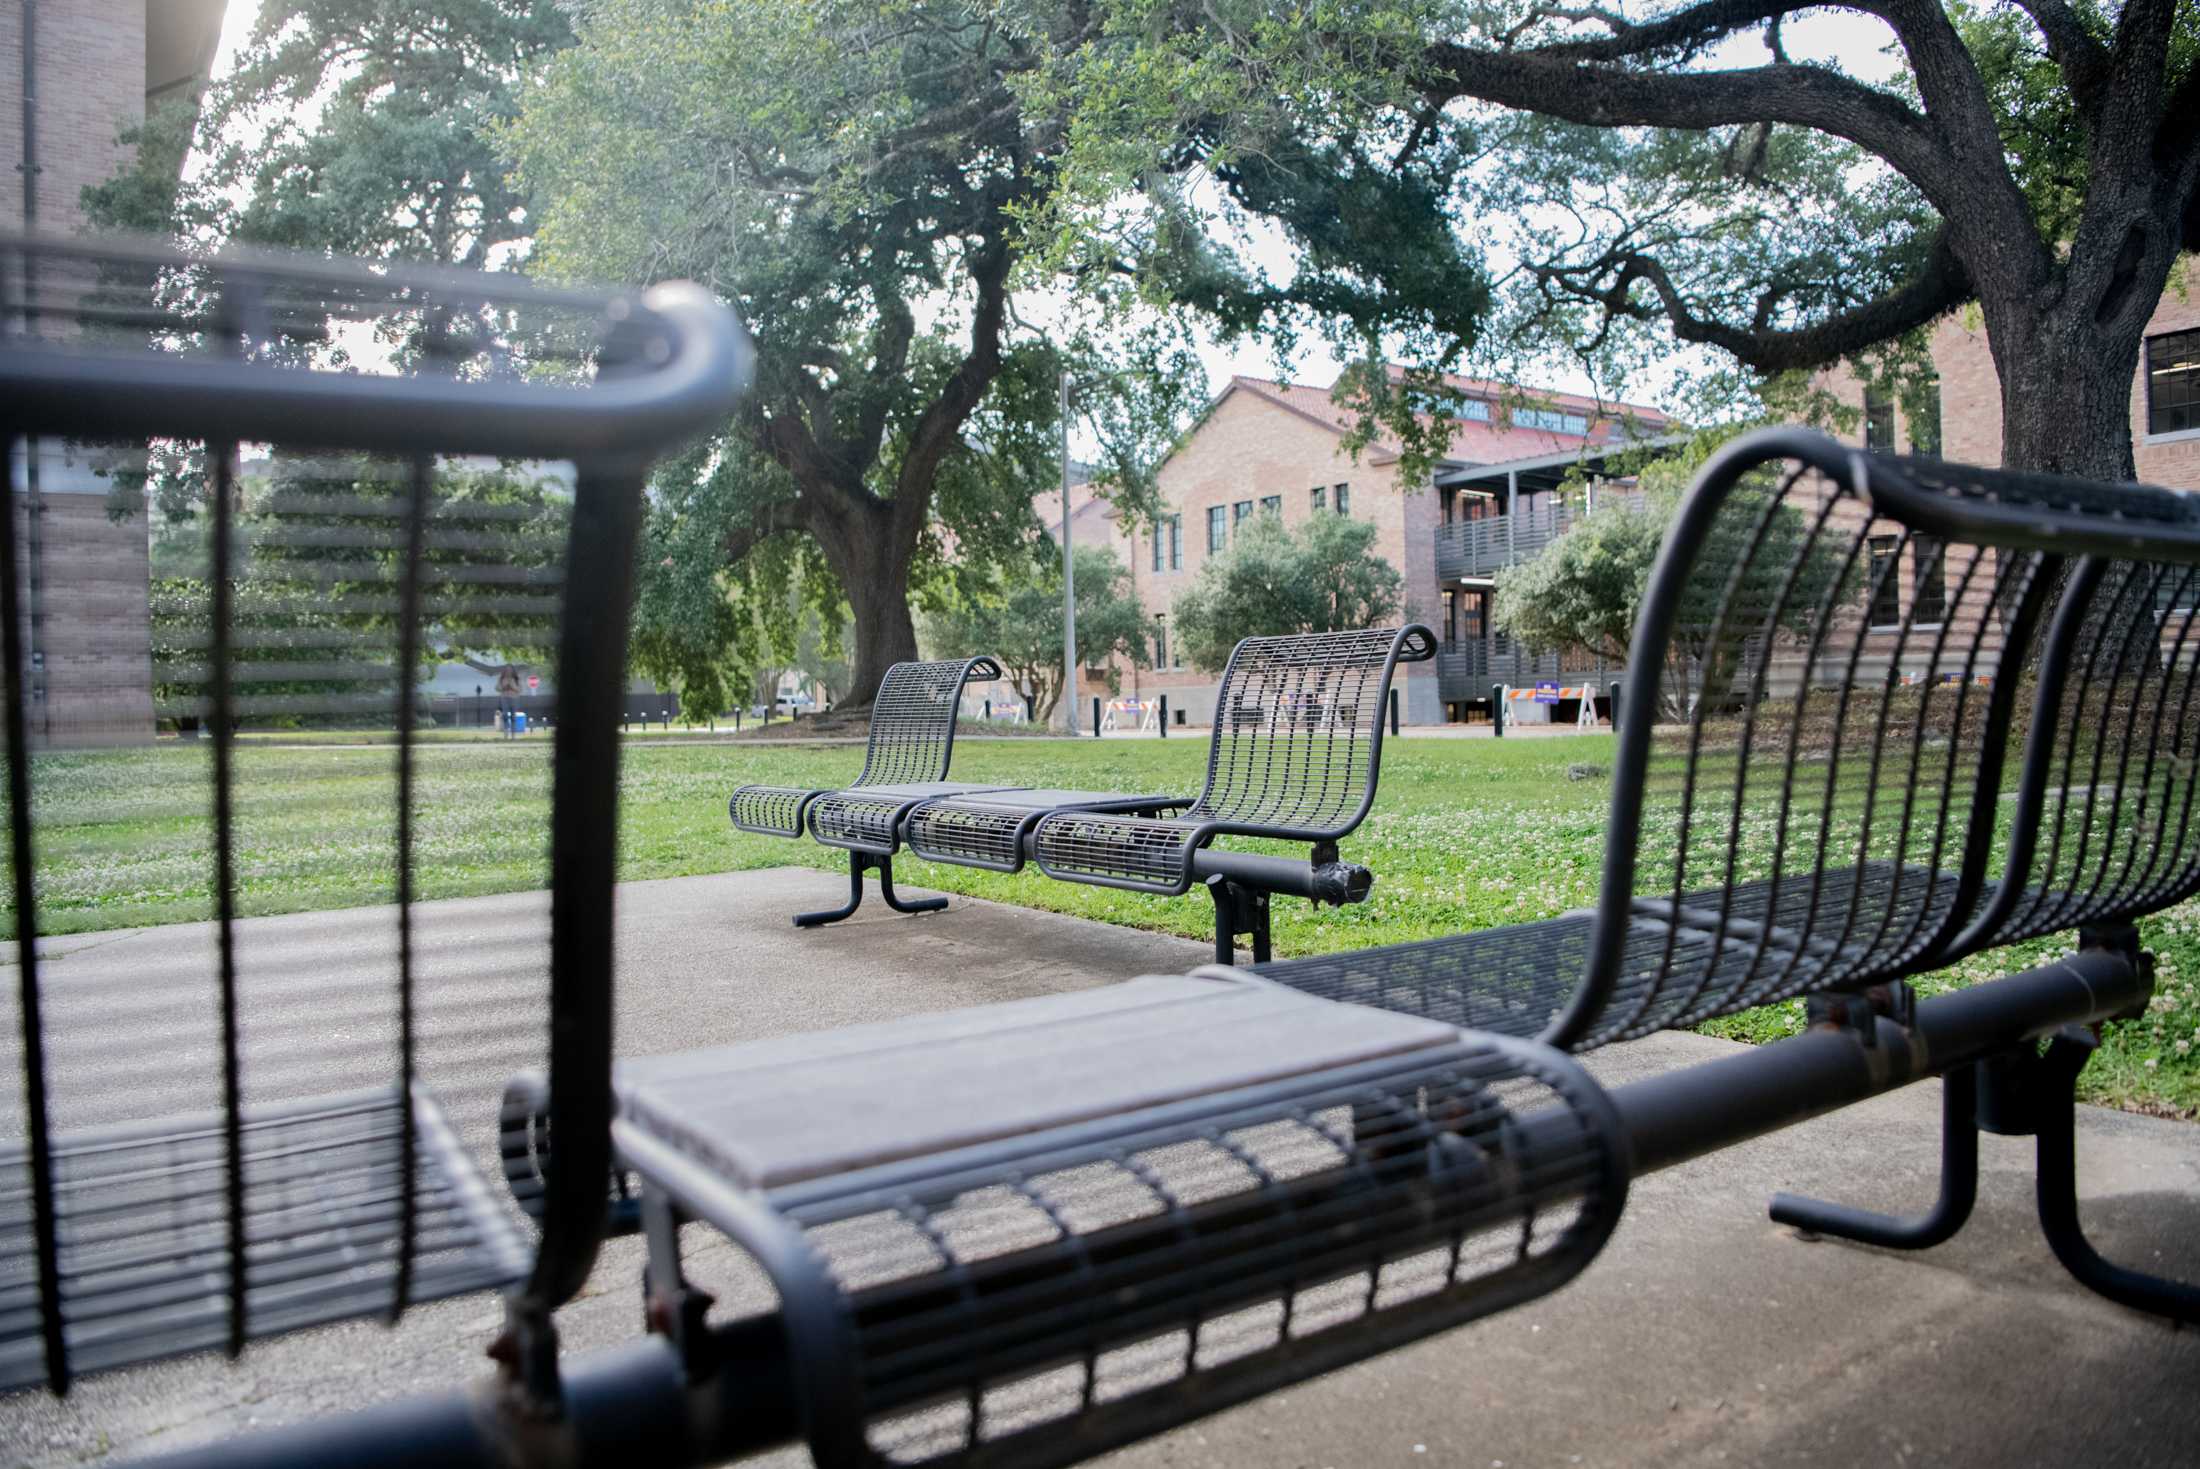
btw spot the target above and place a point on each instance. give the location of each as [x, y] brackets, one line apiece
[635, 1397]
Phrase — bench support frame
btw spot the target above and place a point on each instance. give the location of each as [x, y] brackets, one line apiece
[2023, 1091]
[858, 864]
[1239, 909]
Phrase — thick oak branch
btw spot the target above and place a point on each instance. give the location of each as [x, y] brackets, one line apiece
[1939, 286]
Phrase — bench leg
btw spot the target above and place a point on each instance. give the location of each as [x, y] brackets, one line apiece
[671, 1306]
[885, 867]
[2058, 1198]
[1949, 1213]
[2013, 1094]
[1239, 909]
[858, 864]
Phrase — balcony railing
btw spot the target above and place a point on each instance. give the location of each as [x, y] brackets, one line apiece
[1466, 668]
[1480, 548]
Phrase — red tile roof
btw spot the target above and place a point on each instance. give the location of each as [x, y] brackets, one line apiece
[1472, 442]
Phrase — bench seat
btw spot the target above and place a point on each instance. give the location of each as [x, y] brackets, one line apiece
[1142, 853]
[869, 818]
[986, 1223]
[994, 831]
[771, 810]
[141, 1220]
[1720, 955]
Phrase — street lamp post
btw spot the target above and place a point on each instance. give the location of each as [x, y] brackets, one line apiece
[1069, 570]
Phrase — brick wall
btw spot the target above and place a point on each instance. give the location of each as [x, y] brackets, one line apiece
[93, 681]
[1250, 447]
[2167, 459]
[1970, 393]
[93, 685]
[91, 84]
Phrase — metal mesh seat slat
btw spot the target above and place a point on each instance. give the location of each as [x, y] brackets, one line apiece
[1143, 854]
[911, 743]
[143, 1227]
[1199, 1225]
[993, 831]
[770, 810]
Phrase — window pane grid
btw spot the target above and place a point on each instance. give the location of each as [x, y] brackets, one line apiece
[2173, 382]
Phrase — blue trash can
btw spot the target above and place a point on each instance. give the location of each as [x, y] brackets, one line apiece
[519, 722]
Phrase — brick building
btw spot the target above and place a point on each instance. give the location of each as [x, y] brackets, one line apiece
[73, 73]
[2165, 394]
[1275, 448]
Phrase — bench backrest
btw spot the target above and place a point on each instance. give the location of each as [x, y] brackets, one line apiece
[329, 535]
[1837, 665]
[2103, 826]
[913, 719]
[1298, 736]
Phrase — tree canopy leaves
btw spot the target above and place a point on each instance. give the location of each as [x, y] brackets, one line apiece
[1325, 576]
[1020, 625]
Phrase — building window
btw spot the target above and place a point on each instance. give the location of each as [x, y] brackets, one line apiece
[1925, 422]
[1552, 419]
[1477, 409]
[1342, 498]
[1271, 505]
[1929, 599]
[1317, 499]
[2173, 382]
[1215, 530]
[1240, 511]
[1878, 423]
[1886, 585]
[1170, 528]
[1160, 640]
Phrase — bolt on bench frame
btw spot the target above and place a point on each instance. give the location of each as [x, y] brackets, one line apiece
[1295, 756]
[209, 1157]
[905, 762]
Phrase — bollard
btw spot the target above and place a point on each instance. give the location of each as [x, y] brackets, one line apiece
[1615, 706]
[989, 711]
[1497, 710]
[1096, 718]
[1393, 711]
[1164, 716]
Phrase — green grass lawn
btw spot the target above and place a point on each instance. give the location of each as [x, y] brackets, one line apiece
[1466, 835]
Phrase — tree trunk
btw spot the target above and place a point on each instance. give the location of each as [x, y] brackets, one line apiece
[2065, 394]
[875, 575]
[2066, 345]
[885, 635]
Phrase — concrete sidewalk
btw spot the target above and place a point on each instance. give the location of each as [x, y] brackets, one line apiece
[1704, 1334]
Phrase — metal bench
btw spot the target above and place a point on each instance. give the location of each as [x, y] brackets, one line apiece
[255, 1138]
[905, 762]
[1026, 1233]
[1295, 756]
[1815, 795]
